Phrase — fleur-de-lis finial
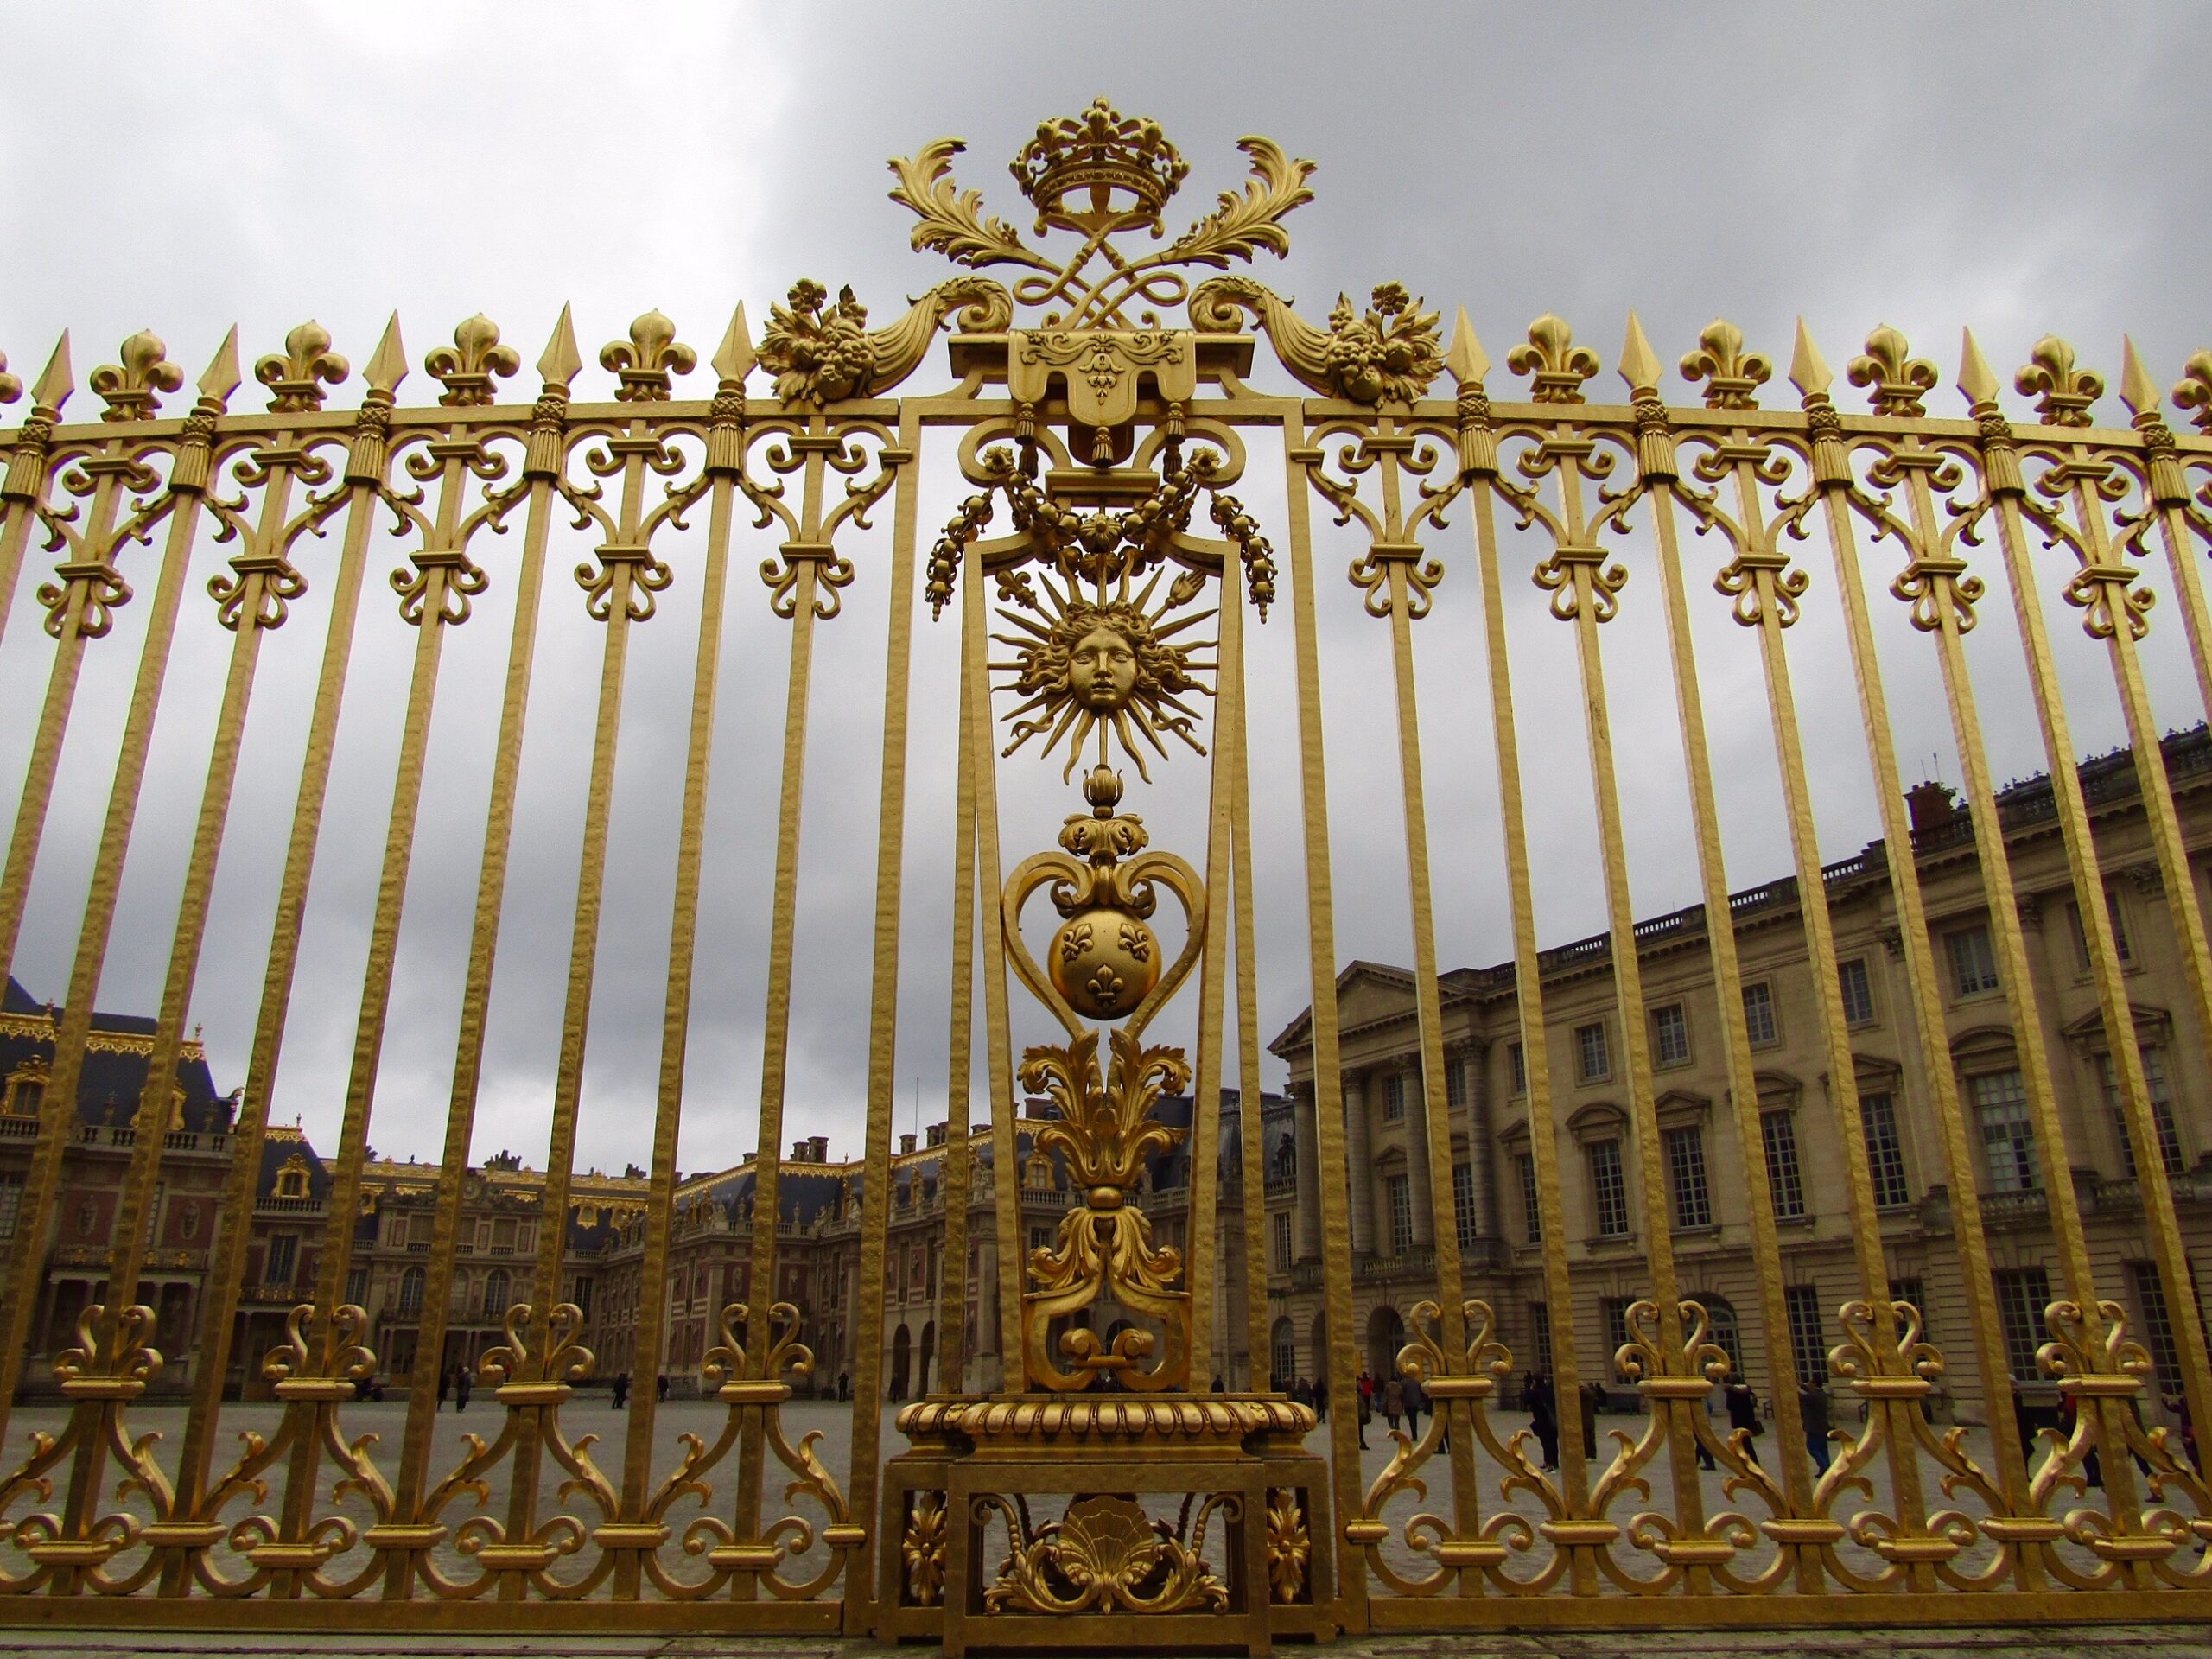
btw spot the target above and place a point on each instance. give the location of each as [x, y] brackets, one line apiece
[128, 388]
[1731, 373]
[466, 367]
[1559, 365]
[11, 386]
[2193, 391]
[2067, 391]
[648, 359]
[297, 375]
[1901, 381]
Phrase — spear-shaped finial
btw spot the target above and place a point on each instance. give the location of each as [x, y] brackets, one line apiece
[1976, 378]
[223, 376]
[56, 381]
[1639, 362]
[558, 363]
[1466, 362]
[1809, 369]
[387, 363]
[2137, 389]
[735, 358]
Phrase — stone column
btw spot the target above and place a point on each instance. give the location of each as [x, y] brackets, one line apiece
[1359, 1156]
[1305, 1224]
[1426, 1222]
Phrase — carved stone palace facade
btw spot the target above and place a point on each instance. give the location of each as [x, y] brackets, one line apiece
[1497, 1221]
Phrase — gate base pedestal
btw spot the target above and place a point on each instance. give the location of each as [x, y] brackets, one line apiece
[1106, 1574]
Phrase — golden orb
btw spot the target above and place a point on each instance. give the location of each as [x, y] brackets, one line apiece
[1104, 963]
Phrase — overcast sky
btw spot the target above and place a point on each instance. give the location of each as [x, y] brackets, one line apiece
[2015, 169]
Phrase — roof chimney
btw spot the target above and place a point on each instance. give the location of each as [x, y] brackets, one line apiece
[1932, 806]
[906, 1143]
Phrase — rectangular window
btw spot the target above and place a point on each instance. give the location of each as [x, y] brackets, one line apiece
[1670, 1036]
[1463, 1203]
[1540, 1323]
[11, 1203]
[2022, 1295]
[1518, 1062]
[1858, 992]
[1609, 1193]
[2162, 1110]
[2120, 946]
[1614, 1312]
[1282, 1243]
[1532, 1212]
[282, 1255]
[1779, 1134]
[1758, 1015]
[1974, 968]
[2008, 1140]
[154, 1216]
[1455, 1085]
[1393, 1097]
[1685, 1177]
[1878, 1116]
[1399, 1190]
[357, 1285]
[2149, 1296]
[1914, 1294]
[1591, 1061]
[1807, 1346]
[1041, 1238]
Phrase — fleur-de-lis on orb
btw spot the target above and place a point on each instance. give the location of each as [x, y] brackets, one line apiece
[2066, 391]
[1559, 365]
[298, 373]
[1731, 373]
[1901, 382]
[466, 367]
[128, 388]
[647, 361]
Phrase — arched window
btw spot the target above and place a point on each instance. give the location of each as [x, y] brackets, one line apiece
[292, 1179]
[1287, 1160]
[410, 1291]
[495, 1293]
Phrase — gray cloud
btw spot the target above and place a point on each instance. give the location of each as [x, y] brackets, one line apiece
[2015, 169]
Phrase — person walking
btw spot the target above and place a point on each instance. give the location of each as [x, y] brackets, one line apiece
[1393, 1404]
[1743, 1415]
[1705, 1452]
[1366, 1397]
[461, 1384]
[1320, 1399]
[621, 1389]
[1813, 1407]
[1591, 1395]
[660, 1388]
[844, 1385]
[445, 1387]
[1417, 1399]
[1301, 1392]
[1543, 1416]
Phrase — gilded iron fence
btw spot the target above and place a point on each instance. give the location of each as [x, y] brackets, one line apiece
[1102, 440]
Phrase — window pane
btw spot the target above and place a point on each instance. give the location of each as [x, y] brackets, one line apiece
[1878, 1114]
[2158, 1324]
[1463, 1202]
[1455, 1085]
[1858, 991]
[2008, 1141]
[1778, 1131]
[1685, 1175]
[1532, 1214]
[1400, 1191]
[1670, 1035]
[1540, 1321]
[1758, 1014]
[2022, 1295]
[1394, 1095]
[1519, 1062]
[1591, 1058]
[1803, 1303]
[12, 1203]
[1974, 968]
[1610, 1193]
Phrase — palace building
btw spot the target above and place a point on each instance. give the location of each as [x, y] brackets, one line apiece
[1493, 1174]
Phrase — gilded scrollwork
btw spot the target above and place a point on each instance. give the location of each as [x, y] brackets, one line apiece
[822, 352]
[1106, 1553]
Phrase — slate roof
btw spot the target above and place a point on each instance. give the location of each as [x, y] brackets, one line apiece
[109, 1088]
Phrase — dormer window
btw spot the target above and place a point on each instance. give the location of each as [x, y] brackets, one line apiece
[292, 1179]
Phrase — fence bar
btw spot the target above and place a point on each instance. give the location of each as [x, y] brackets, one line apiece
[1328, 1078]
